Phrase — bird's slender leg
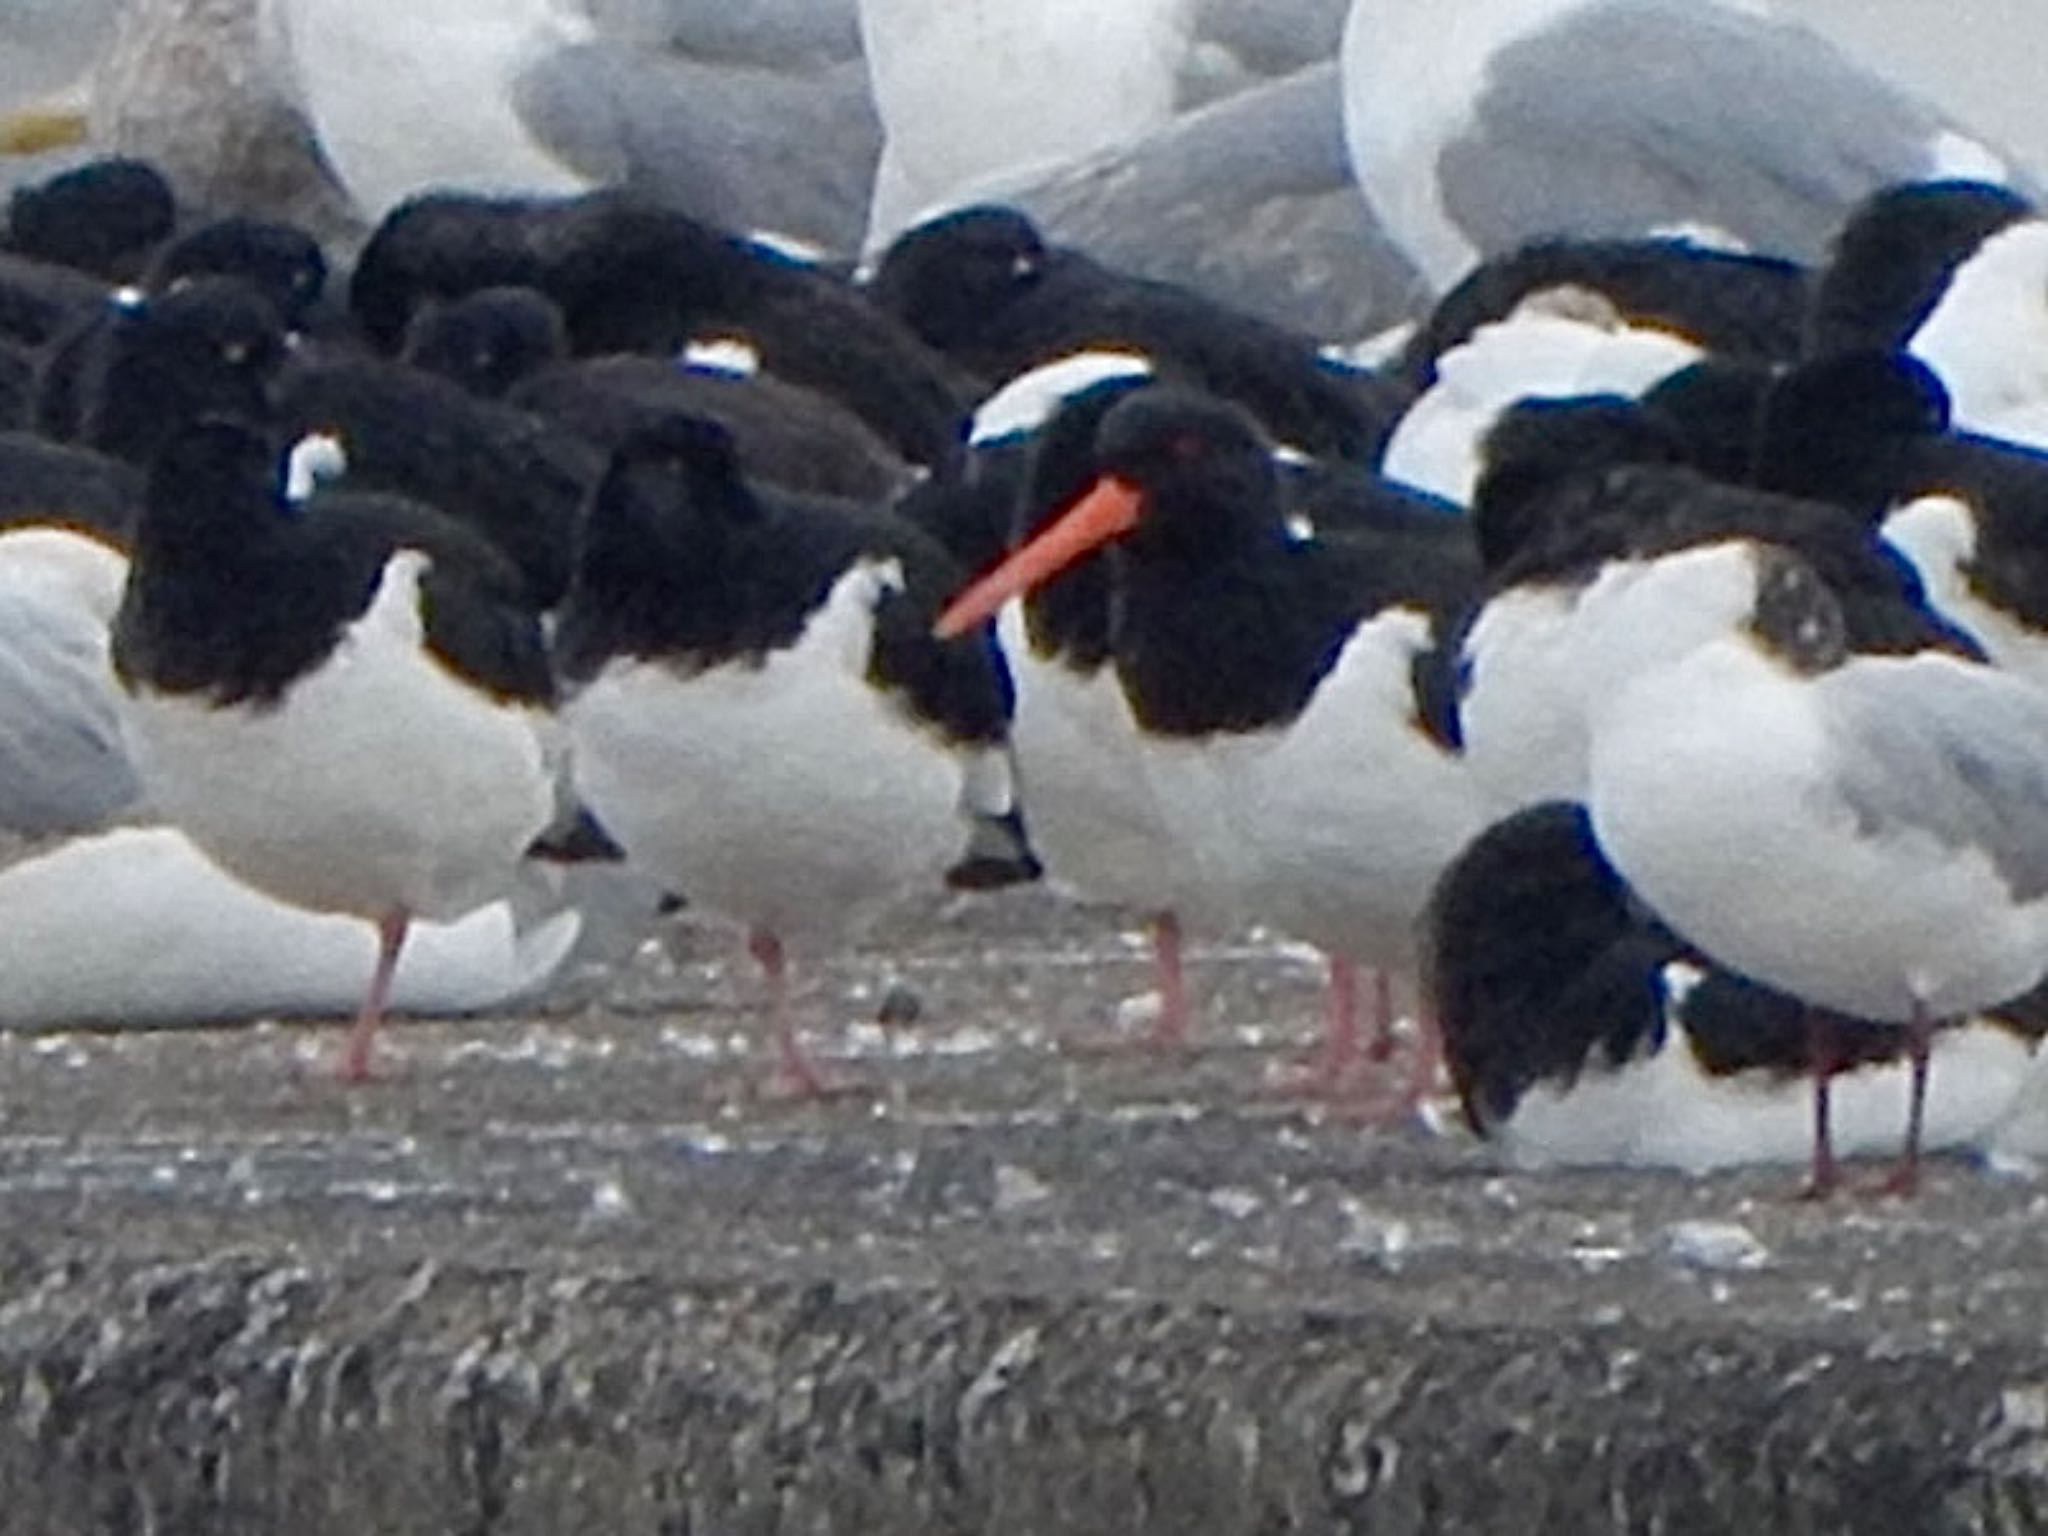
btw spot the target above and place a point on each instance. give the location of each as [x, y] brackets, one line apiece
[1341, 1035]
[1170, 1023]
[1824, 1059]
[1359, 1067]
[1170, 1028]
[797, 1074]
[1425, 1068]
[1340, 1057]
[1383, 1044]
[362, 1039]
[1426, 1077]
[1904, 1179]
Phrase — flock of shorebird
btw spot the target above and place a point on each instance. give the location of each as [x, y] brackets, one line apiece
[1638, 664]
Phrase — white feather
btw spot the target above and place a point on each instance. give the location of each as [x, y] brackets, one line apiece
[790, 794]
[379, 781]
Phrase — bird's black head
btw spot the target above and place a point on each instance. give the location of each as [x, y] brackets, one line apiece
[1063, 461]
[1715, 406]
[1894, 256]
[666, 501]
[489, 340]
[441, 245]
[652, 554]
[1204, 465]
[635, 277]
[1892, 393]
[1180, 479]
[281, 261]
[211, 346]
[1828, 425]
[1538, 447]
[1070, 614]
[947, 278]
[100, 218]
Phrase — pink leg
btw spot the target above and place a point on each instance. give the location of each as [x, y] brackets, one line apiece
[1427, 1077]
[1357, 1066]
[362, 1039]
[1351, 1061]
[1340, 1056]
[1170, 1029]
[796, 1074]
[1382, 1016]
[1340, 1019]
[1170, 1026]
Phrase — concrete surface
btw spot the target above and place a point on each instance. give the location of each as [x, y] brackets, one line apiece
[569, 1273]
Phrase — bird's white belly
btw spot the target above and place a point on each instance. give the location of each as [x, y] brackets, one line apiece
[1665, 1111]
[790, 795]
[1349, 814]
[379, 781]
[1712, 805]
[1088, 802]
[1521, 713]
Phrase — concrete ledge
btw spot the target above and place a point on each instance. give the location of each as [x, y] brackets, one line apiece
[245, 1395]
[566, 1275]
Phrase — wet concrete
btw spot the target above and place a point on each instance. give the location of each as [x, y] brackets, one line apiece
[570, 1273]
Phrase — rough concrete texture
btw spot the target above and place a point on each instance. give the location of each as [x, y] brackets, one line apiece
[568, 1273]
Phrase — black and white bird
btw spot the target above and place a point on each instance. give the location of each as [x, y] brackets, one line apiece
[514, 477]
[981, 286]
[631, 277]
[1871, 432]
[338, 717]
[1580, 1030]
[1950, 273]
[760, 714]
[1260, 685]
[1582, 492]
[1556, 345]
[1735, 304]
[1094, 818]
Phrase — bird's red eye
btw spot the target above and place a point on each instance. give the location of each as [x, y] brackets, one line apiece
[1188, 448]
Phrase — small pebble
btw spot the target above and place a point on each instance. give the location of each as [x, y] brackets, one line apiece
[900, 1006]
[1715, 1245]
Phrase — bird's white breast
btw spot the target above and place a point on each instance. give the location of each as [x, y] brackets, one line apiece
[378, 781]
[788, 793]
[1663, 1110]
[1713, 793]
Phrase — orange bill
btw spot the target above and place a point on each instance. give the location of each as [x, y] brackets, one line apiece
[1109, 510]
